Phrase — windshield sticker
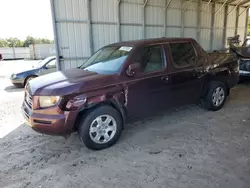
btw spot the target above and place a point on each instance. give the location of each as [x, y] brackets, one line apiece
[126, 48]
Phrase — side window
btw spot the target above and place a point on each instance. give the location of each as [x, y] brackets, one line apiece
[183, 54]
[51, 64]
[152, 59]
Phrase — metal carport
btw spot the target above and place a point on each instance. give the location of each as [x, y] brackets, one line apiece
[83, 26]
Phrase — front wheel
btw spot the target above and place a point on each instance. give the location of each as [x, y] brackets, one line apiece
[215, 97]
[100, 128]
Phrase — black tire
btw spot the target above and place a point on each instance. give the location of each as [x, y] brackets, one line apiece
[86, 121]
[28, 79]
[207, 101]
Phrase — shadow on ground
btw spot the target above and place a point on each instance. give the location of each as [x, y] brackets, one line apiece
[13, 89]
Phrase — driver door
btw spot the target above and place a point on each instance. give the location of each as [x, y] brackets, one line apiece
[49, 68]
[148, 89]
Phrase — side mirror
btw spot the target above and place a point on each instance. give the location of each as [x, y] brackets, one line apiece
[133, 68]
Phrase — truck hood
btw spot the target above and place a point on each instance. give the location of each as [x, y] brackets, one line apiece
[242, 51]
[67, 82]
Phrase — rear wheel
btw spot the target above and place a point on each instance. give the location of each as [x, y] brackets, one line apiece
[215, 97]
[100, 128]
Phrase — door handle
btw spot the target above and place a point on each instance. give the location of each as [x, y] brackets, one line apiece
[165, 78]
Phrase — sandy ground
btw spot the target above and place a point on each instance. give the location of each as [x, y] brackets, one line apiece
[185, 147]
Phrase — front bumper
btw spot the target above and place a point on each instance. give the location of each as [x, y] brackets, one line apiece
[51, 121]
[17, 81]
[244, 73]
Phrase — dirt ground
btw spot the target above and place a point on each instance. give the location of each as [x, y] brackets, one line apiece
[186, 147]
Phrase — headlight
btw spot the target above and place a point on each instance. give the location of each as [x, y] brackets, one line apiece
[13, 76]
[47, 101]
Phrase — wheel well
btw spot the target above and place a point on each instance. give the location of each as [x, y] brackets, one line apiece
[84, 112]
[30, 76]
[206, 87]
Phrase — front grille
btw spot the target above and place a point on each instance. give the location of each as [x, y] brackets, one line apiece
[28, 99]
[26, 115]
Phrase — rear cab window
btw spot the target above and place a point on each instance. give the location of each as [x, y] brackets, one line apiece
[183, 54]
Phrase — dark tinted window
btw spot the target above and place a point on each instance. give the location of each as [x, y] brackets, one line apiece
[152, 59]
[183, 54]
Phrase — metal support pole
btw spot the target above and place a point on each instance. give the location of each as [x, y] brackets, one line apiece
[244, 10]
[118, 20]
[144, 18]
[182, 18]
[212, 28]
[167, 3]
[165, 19]
[206, 5]
[53, 14]
[236, 6]
[91, 43]
[225, 26]
[244, 2]
[237, 21]
[246, 30]
[199, 21]
[221, 6]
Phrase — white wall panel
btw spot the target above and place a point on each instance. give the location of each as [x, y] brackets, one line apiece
[175, 4]
[173, 32]
[174, 20]
[66, 10]
[104, 35]
[131, 13]
[206, 15]
[154, 15]
[154, 32]
[241, 32]
[190, 33]
[75, 41]
[231, 19]
[219, 17]
[190, 18]
[218, 39]
[205, 38]
[131, 32]
[103, 10]
[160, 3]
[242, 19]
[230, 32]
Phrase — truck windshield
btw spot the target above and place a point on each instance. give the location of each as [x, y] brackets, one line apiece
[107, 60]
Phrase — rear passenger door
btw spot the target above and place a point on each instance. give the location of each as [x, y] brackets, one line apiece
[185, 83]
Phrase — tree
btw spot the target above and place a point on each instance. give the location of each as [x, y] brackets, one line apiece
[28, 41]
[3, 43]
[31, 40]
[14, 42]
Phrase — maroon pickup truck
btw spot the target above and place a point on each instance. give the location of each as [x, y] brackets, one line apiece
[125, 81]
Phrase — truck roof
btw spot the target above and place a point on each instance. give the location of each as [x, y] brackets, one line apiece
[143, 42]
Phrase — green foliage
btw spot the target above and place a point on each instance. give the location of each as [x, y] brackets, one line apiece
[3, 43]
[15, 42]
[31, 40]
